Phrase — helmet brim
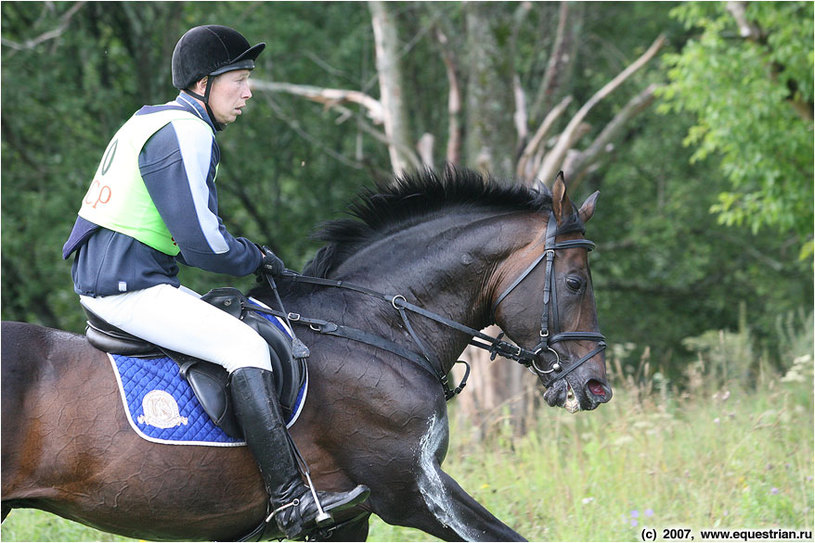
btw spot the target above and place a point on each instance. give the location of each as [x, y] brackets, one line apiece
[245, 61]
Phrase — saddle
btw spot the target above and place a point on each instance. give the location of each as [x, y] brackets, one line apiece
[208, 380]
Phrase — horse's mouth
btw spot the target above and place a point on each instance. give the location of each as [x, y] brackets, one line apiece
[561, 394]
[572, 405]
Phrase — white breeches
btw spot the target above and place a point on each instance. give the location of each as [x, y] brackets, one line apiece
[177, 319]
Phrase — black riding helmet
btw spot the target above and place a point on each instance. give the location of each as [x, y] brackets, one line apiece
[210, 50]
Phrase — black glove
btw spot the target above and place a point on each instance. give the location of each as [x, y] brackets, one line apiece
[271, 263]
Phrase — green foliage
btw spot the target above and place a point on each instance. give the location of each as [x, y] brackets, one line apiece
[752, 99]
[61, 102]
[664, 270]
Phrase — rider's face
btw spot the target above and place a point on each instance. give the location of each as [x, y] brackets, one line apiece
[228, 95]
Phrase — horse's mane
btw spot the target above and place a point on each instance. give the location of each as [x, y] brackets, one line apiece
[410, 199]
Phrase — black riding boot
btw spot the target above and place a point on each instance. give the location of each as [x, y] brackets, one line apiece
[259, 414]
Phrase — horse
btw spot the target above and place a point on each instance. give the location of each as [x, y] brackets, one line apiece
[423, 262]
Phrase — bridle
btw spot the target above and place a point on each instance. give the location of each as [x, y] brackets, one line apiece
[496, 346]
[550, 325]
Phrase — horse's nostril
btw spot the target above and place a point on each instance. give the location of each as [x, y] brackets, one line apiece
[596, 388]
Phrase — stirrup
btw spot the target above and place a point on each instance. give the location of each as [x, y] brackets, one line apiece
[322, 517]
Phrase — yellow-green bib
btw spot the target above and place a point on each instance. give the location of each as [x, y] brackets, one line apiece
[117, 198]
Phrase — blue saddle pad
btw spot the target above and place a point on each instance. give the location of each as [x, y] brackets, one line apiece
[161, 406]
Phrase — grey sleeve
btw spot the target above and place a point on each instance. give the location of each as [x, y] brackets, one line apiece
[178, 165]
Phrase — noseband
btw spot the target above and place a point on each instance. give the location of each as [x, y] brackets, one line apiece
[550, 331]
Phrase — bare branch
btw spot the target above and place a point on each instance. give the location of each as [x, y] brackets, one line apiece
[554, 158]
[295, 126]
[520, 116]
[388, 67]
[425, 149]
[329, 97]
[333, 98]
[407, 152]
[520, 109]
[453, 155]
[526, 166]
[64, 20]
[560, 59]
[747, 29]
[578, 163]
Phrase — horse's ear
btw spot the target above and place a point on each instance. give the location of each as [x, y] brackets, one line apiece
[560, 200]
[587, 209]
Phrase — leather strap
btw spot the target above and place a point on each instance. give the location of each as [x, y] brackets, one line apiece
[495, 345]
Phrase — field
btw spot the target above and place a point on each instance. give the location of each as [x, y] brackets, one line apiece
[723, 455]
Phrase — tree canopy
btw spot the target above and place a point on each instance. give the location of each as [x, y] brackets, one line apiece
[506, 86]
[746, 75]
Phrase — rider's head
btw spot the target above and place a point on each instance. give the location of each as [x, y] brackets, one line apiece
[212, 63]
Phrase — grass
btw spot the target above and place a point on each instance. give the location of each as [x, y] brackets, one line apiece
[714, 456]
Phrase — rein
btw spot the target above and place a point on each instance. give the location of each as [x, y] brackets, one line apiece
[496, 346]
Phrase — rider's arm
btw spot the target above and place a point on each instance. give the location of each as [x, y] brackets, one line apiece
[178, 166]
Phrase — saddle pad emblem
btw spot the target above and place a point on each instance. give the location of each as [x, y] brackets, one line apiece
[161, 410]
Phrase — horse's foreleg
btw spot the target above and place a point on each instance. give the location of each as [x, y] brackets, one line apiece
[440, 507]
[454, 514]
[437, 504]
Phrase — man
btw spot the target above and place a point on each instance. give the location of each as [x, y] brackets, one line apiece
[152, 204]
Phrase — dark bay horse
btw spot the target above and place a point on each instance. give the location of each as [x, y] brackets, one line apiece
[460, 246]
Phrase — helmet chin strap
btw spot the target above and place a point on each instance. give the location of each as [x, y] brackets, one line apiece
[205, 98]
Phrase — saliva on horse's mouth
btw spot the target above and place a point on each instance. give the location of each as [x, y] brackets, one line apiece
[561, 394]
[572, 404]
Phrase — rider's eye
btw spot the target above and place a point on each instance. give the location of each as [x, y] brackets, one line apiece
[574, 283]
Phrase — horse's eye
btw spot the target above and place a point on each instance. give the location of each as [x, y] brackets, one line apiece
[574, 283]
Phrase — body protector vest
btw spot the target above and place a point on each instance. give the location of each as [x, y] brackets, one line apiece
[117, 198]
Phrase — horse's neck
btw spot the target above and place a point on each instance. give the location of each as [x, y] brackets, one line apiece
[447, 266]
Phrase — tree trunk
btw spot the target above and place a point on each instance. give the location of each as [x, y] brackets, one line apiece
[388, 67]
[490, 141]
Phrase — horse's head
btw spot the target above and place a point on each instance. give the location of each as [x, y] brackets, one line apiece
[545, 303]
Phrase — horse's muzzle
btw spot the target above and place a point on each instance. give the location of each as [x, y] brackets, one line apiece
[596, 392]
[578, 397]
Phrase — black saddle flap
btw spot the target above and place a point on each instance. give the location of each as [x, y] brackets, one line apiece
[289, 373]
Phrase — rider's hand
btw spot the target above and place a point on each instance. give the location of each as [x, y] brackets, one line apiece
[271, 262]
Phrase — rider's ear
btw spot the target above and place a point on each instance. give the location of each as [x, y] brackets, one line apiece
[560, 200]
[587, 209]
